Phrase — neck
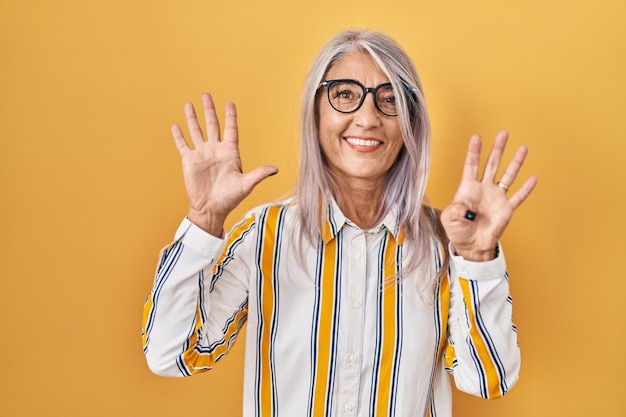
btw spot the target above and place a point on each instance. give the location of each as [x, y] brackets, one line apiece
[360, 203]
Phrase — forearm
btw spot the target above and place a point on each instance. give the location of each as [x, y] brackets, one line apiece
[172, 307]
[482, 335]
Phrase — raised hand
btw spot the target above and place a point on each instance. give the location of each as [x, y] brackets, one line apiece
[481, 210]
[212, 169]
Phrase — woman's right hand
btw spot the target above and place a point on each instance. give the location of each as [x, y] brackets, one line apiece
[212, 169]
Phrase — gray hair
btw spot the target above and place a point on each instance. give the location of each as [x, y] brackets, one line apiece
[406, 180]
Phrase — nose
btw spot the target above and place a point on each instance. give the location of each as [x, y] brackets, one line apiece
[367, 115]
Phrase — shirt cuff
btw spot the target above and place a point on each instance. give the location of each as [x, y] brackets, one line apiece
[496, 268]
[199, 241]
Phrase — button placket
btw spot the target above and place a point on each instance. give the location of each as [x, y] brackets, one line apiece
[353, 295]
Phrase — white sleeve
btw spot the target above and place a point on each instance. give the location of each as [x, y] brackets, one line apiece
[186, 323]
[483, 353]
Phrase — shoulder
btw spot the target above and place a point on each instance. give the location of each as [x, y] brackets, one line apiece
[278, 211]
[287, 205]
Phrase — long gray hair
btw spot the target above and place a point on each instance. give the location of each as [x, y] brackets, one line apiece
[406, 180]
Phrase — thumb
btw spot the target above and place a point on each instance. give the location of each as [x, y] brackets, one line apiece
[254, 177]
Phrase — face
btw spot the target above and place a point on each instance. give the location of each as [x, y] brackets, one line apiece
[359, 147]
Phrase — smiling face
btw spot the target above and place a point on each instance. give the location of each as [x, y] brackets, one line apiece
[359, 148]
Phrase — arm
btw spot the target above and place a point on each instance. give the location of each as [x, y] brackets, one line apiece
[482, 353]
[196, 308]
[189, 323]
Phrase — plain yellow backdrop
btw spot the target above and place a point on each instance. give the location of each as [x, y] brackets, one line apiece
[91, 186]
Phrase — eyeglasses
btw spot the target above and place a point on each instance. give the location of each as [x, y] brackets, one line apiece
[347, 96]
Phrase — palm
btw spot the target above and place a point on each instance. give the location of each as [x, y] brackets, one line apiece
[212, 170]
[484, 197]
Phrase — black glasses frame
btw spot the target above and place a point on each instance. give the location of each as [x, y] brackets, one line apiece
[329, 83]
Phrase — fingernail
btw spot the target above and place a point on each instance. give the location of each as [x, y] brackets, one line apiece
[470, 215]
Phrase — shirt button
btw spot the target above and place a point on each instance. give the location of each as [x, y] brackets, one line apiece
[353, 358]
[348, 407]
[356, 305]
[357, 255]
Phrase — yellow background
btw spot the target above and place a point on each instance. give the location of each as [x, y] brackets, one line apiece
[91, 186]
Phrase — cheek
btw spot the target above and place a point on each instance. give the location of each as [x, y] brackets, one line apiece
[395, 134]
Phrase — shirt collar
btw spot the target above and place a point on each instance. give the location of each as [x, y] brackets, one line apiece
[336, 220]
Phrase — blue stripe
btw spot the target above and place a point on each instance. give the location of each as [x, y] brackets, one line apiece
[379, 327]
[399, 333]
[229, 255]
[439, 325]
[168, 260]
[315, 324]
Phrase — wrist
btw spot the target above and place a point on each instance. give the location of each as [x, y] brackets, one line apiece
[476, 255]
[209, 222]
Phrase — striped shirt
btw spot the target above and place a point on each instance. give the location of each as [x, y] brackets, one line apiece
[331, 332]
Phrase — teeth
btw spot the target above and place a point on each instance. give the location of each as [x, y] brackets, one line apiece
[363, 142]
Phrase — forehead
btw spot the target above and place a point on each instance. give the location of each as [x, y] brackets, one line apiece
[357, 65]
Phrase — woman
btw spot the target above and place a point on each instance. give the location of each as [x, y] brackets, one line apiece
[356, 299]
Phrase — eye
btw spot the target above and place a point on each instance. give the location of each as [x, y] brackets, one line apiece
[386, 97]
[345, 92]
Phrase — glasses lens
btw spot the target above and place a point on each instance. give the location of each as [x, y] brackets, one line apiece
[345, 96]
[386, 100]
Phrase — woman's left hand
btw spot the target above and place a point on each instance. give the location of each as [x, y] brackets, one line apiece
[481, 210]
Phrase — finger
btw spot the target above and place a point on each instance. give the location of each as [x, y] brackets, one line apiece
[210, 117]
[495, 156]
[192, 124]
[179, 139]
[254, 177]
[514, 166]
[459, 212]
[472, 160]
[231, 130]
[520, 196]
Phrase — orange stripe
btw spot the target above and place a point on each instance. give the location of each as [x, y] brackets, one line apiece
[147, 308]
[267, 307]
[493, 382]
[324, 334]
[197, 362]
[389, 330]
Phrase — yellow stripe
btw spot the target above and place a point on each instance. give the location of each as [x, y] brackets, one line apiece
[324, 334]
[267, 307]
[493, 382]
[147, 308]
[389, 331]
[197, 362]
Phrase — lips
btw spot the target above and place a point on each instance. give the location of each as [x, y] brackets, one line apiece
[368, 143]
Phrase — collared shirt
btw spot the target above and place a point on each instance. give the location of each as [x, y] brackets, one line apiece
[334, 329]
